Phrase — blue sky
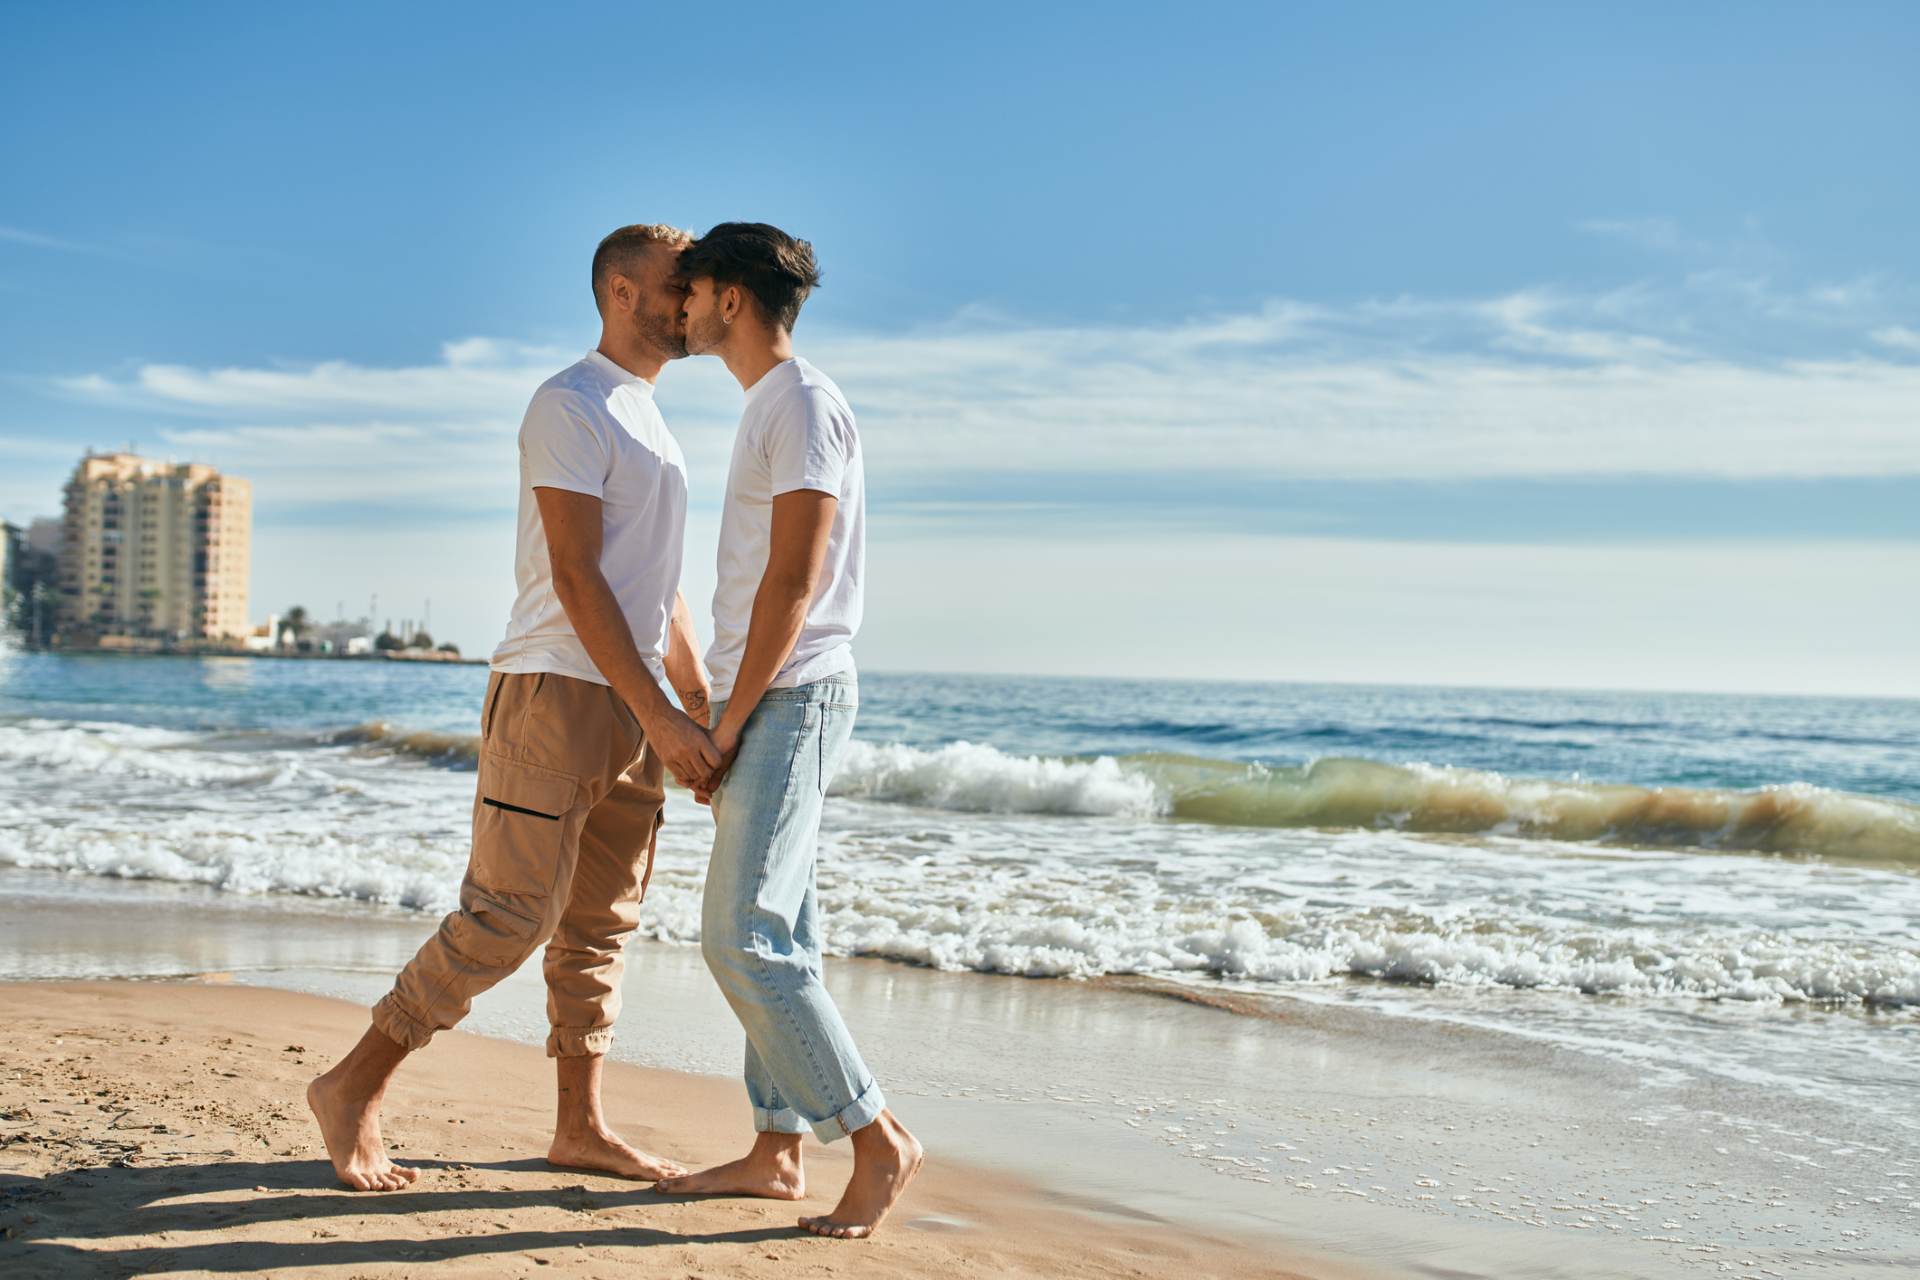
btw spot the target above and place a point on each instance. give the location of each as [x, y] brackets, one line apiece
[1543, 346]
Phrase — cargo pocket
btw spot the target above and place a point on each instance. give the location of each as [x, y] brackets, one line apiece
[653, 851]
[519, 825]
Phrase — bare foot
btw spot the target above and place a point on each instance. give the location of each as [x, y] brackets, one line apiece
[885, 1158]
[603, 1151]
[351, 1128]
[771, 1171]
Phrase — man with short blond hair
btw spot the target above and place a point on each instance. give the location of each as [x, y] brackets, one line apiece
[576, 730]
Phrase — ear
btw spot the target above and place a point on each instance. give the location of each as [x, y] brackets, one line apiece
[730, 303]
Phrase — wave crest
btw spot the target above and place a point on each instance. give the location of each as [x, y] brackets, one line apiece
[965, 777]
[458, 750]
[972, 778]
[1789, 818]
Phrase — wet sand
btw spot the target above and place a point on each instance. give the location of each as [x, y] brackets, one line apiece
[1287, 1131]
[156, 1128]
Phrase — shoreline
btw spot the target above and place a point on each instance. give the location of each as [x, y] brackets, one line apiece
[159, 1127]
[1317, 1127]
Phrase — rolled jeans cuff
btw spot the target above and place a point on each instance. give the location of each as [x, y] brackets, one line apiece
[399, 1026]
[858, 1114]
[785, 1120]
[579, 1042]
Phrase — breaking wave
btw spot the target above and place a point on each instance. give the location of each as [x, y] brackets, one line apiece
[1340, 886]
[1789, 818]
[457, 750]
[964, 777]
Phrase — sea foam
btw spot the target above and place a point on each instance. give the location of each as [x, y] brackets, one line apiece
[1332, 793]
[1083, 877]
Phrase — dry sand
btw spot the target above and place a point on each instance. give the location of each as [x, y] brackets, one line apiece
[154, 1128]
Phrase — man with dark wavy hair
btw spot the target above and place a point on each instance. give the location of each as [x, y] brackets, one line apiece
[789, 600]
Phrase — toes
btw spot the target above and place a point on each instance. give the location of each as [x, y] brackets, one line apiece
[835, 1230]
[406, 1173]
[357, 1181]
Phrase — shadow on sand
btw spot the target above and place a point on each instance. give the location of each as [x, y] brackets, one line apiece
[130, 1201]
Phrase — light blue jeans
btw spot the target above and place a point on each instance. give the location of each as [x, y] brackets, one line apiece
[760, 922]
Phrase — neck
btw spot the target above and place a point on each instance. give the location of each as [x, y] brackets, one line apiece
[755, 351]
[630, 354]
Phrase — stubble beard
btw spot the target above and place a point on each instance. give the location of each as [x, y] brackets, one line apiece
[702, 340]
[664, 336]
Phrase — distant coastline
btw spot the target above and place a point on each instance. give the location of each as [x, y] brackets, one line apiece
[404, 657]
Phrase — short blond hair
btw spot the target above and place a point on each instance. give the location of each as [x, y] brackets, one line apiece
[620, 250]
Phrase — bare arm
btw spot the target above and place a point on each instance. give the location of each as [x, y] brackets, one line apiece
[688, 676]
[802, 520]
[573, 526]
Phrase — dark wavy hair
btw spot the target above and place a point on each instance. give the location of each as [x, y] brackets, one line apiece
[776, 270]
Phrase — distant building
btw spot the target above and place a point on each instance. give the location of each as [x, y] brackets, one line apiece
[28, 585]
[13, 556]
[264, 638]
[154, 550]
[44, 535]
[342, 636]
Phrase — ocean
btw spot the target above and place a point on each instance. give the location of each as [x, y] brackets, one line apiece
[1387, 842]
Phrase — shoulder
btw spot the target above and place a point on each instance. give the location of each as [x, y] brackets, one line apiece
[822, 390]
[804, 421]
[811, 403]
[563, 401]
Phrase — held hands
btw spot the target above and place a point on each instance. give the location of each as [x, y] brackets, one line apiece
[684, 747]
[726, 738]
[700, 711]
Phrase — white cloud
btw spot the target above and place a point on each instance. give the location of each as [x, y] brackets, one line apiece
[1648, 233]
[33, 239]
[1638, 381]
[1749, 296]
[1536, 383]
[1899, 337]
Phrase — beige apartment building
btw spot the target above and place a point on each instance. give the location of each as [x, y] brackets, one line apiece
[154, 549]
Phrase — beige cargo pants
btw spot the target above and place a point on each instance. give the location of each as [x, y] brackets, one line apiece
[566, 817]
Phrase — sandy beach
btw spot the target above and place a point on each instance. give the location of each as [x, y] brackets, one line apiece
[1176, 1130]
[157, 1129]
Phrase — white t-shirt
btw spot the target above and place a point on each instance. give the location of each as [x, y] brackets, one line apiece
[593, 428]
[796, 432]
